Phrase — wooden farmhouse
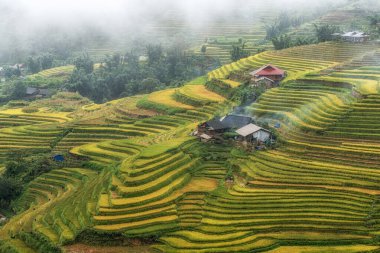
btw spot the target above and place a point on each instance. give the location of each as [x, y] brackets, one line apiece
[233, 121]
[242, 126]
[216, 127]
[354, 36]
[252, 133]
[264, 82]
[270, 75]
[32, 93]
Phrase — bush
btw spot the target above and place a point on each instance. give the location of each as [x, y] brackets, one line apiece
[219, 87]
[230, 135]
[65, 109]
[39, 242]
[29, 109]
[9, 190]
[68, 95]
[17, 103]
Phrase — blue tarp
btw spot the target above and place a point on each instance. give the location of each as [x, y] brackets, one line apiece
[59, 158]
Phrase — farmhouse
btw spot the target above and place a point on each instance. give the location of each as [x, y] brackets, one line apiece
[32, 92]
[215, 125]
[268, 74]
[264, 82]
[254, 134]
[218, 126]
[233, 121]
[354, 36]
[241, 127]
[18, 66]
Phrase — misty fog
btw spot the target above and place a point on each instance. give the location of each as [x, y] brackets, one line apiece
[27, 25]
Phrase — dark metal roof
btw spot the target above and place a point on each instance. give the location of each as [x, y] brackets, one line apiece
[229, 122]
[37, 91]
[45, 92]
[31, 91]
[236, 121]
[216, 124]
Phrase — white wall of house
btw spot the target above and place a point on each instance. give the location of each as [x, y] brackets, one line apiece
[261, 135]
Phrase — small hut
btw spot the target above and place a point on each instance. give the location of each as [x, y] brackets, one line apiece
[32, 93]
[268, 71]
[253, 133]
[355, 37]
[220, 125]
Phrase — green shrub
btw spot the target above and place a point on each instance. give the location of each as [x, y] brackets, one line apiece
[229, 135]
[17, 103]
[39, 242]
[29, 109]
[219, 87]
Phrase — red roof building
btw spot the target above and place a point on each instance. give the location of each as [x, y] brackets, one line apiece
[269, 71]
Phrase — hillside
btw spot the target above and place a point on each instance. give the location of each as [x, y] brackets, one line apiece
[136, 177]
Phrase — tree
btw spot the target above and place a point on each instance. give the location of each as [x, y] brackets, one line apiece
[280, 26]
[33, 65]
[324, 32]
[271, 31]
[281, 42]
[203, 49]
[46, 61]
[155, 53]
[374, 23]
[10, 72]
[175, 59]
[10, 189]
[132, 58]
[238, 52]
[113, 61]
[25, 168]
[15, 89]
[125, 76]
[84, 63]
[149, 85]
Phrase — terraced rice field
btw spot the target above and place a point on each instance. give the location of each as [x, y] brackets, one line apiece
[27, 138]
[308, 165]
[146, 177]
[198, 94]
[58, 72]
[63, 71]
[10, 120]
[59, 208]
[361, 121]
[303, 105]
[297, 61]
[166, 98]
[362, 72]
[295, 67]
